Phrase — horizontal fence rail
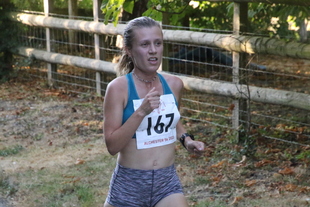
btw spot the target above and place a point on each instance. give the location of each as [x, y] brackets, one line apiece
[237, 43]
[264, 95]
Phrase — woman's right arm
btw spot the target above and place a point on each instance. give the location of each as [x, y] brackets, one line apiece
[117, 135]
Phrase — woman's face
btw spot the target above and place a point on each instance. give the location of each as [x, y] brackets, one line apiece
[147, 49]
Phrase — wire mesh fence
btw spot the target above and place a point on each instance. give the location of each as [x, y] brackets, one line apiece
[268, 71]
[268, 121]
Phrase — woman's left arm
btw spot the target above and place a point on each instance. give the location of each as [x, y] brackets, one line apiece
[192, 146]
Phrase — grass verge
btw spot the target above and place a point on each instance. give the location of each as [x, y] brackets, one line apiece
[52, 154]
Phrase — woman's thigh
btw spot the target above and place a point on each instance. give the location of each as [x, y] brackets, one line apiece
[107, 205]
[177, 199]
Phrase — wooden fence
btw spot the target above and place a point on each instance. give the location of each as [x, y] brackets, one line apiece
[298, 100]
[232, 43]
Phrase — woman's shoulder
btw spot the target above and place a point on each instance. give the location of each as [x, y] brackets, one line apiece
[175, 83]
[118, 83]
[117, 91]
[173, 80]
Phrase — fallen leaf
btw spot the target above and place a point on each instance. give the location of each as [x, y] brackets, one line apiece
[290, 187]
[86, 140]
[76, 180]
[68, 176]
[72, 181]
[243, 159]
[236, 200]
[277, 175]
[79, 161]
[250, 183]
[217, 179]
[201, 172]
[305, 189]
[302, 137]
[219, 164]
[240, 163]
[263, 163]
[281, 126]
[194, 156]
[287, 171]
[272, 151]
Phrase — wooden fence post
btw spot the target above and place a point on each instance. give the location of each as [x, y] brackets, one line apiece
[239, 77]
[96, 9]
[51, 67]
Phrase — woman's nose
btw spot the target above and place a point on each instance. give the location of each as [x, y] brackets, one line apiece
[152, 48]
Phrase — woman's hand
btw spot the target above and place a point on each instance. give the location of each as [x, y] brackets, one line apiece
[151, 101]
[195, 147]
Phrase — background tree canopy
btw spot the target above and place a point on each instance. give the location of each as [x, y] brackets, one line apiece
[216, 15]
[194, 14]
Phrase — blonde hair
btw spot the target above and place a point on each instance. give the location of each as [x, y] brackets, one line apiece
[125, 64]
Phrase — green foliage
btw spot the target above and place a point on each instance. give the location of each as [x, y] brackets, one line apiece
[85, 195]
[8, 41]
[259, 17]
[273, 19]
[202, 180]
[10, 151]
[215, 203]
[304, 155]
[205, 14]
[215, 15]
[212, 16]
[113, 8]
[5, 186]
[128, 6]
[299, 13]
[244, 142]
[32, 5]
[152, 12]
[85, 4]
[292, 14]
[176, 10]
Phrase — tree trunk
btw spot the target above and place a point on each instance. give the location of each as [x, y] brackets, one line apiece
[73, 13]
[138, 9]
[303, 33]
[6, 41]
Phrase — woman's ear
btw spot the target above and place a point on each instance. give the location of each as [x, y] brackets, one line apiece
[128, 51]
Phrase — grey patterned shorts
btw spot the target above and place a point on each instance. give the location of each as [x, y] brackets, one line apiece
[142, 188]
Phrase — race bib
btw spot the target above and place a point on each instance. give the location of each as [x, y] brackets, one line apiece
[159, 127]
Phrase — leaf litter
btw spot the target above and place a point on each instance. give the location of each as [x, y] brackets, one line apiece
[48, 120]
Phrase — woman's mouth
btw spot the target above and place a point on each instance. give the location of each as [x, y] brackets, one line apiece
[153, 60]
